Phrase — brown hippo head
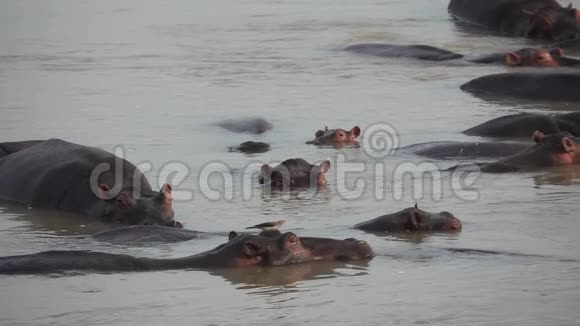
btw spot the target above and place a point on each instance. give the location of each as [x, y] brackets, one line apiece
[335, 137]
[153, 208]
[561, 147]
[534, 57]
[558, 24]
[412, 219]
[287, 248]
[295, 173]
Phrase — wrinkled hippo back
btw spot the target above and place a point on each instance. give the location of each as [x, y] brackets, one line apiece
[492, 13]
[56, 174]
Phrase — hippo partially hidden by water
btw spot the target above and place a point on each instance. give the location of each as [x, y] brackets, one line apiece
[251, 147]
[335, 137]
[542, 19]
[558, 149]
[525, 57]
[412, 219]
[240, 251]
[249, 125]
[149, 234]
[464, 150]
[56, 174]
[551, 85]
[294, 173]
[524, 124]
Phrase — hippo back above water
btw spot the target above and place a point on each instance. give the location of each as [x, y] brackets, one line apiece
[56, 174]
[543, 19]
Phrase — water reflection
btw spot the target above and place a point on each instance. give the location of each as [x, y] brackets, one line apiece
[413, 236]
[260, 277]
[560, 176]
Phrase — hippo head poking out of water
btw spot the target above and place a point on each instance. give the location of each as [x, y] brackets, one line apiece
[561, 147]
[335, 137]
[295, 173]
[534, 57]
[555, 24]
[153, 208]
[412, 219]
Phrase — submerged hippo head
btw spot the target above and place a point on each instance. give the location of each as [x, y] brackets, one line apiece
[287, 248]
[534, 57]
[554, 24]
[412, 219]
[295, 173]
[559, 148]
[335, 136]
[150, 209]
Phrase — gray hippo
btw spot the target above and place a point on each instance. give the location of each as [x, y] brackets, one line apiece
[335, 137]
[294, 173]
[464, 150]
[251, 147]
[550, 85]
[550, 150]
[249, 125]
[528, 57]
[524, 124]
[240, 251]
[56, 174]
[412, 219]
[539, 19]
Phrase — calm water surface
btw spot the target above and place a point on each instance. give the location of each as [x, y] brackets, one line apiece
[153, 76]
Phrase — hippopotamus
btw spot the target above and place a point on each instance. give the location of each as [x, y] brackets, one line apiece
[531, 57]
[241, 251]
[412, 219]
[251, 147]
[540, 19]
[294, 173]
[56, 174]
[524, 124]
[149, 234]
[249, 125]
[557, 149]
[551, 85]
[464, 150]
[336, 137]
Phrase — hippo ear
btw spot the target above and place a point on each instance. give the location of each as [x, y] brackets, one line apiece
[512, 59]
[556, 52]
[251, 249]
[538, 136]
[319, 133]
[266, 170]
[104, 192]
[355, 131]
[570, 6]
[232, 235]
[417, 219]
[568, 145]
[125, 199]
[166, 191]
[324, 166]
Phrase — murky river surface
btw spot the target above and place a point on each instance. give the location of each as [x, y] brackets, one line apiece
[153, 76]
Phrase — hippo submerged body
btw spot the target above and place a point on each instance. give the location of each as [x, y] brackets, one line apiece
[240, 251]
[412, 219]
[542, 19]
[464, 150]
[294, 173]
[524, 124]
[558, 149]
[550, 85]
[531, 57]
[56, 174]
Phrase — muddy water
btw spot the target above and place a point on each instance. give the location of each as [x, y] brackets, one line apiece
[150, 78]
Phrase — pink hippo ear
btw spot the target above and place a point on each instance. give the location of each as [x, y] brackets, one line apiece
[538, 136]
[125, 199]
[568, 145]
[166, 190]
[104, 192]
[266, 171]
[355, 131]
[417, 219]
[324, 166]
[512, 59]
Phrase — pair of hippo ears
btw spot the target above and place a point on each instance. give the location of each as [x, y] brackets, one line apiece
[418, 218]
[568, 145]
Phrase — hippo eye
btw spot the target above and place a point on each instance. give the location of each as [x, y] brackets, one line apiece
[293, 241]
